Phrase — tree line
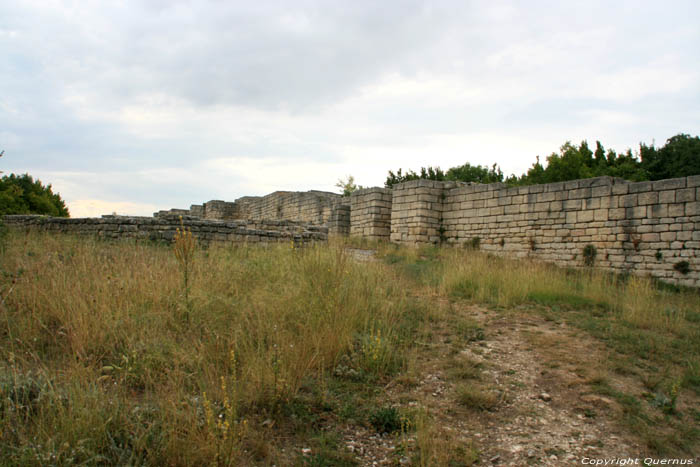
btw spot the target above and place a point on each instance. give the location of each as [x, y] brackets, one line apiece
[679, 157]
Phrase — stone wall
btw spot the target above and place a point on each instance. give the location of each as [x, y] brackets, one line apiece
[339, 221]
[311, 207]
[163, 228]
[417, 210]
[370, 213]
[314, 207]
[648, 228]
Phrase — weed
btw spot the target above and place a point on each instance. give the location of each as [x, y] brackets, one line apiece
[473, 396]
[386, 420]
[636, 241]
[589, 254]
[533, 243]
[682, 266]
[475, 243]
[184, 246]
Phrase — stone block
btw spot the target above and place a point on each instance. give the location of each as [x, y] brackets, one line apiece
[636, 212]
[600, 215]
[640, 187]
[692, 209]
[676, 210]
[685, 195]
[668, 196]
[620, 189]
[628, 201]
[580, 193]
[572, 204]
[650, 197]
[658, 210]
[585, 216]
[591, 203]
[545, 197]
[669, 184]
[605, 190]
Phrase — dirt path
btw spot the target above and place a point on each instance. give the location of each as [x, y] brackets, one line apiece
[537, 407]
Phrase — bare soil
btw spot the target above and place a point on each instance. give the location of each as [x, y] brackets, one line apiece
[545, 414]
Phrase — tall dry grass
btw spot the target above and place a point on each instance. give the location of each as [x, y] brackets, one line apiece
[506, 283]
[109, 357]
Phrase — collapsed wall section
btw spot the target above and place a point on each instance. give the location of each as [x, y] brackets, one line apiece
[164, 228]
[370, 213]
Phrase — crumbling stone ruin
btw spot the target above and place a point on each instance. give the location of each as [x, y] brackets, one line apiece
[646, 228]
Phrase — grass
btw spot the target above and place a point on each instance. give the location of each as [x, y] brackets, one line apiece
[651, 330]
[111, 357]
[474, 396]
[126, 353]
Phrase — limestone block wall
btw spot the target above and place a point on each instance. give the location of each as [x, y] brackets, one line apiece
[172, 212]
[163, 228]
[648, 228]
[197, 210]
[339, 221]
[313, 207]
[219, 210]
[416, 212]
[370, 213]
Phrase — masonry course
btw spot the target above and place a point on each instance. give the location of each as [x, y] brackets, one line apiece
[163, 228]
[645, 228]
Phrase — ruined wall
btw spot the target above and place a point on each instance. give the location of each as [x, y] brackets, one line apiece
[311, 207]
[339, 221]
[219, 210]
[370, 213]
[648, 228]
[163, 228]
[314, 207]
[417, 210]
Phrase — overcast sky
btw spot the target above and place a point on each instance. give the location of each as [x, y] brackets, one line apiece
[131, 107]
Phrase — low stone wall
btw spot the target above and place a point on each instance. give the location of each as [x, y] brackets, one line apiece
[370, 213]
[164, 228]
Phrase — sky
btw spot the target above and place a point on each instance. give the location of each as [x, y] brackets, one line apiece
[136, 106]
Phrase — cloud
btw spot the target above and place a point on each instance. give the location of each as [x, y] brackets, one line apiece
[98, 207]
[174, 103]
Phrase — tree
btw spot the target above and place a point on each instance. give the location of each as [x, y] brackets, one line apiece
[475, 173]
[21, 194]
[430, 173]
[348, 186]
[679, 157]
